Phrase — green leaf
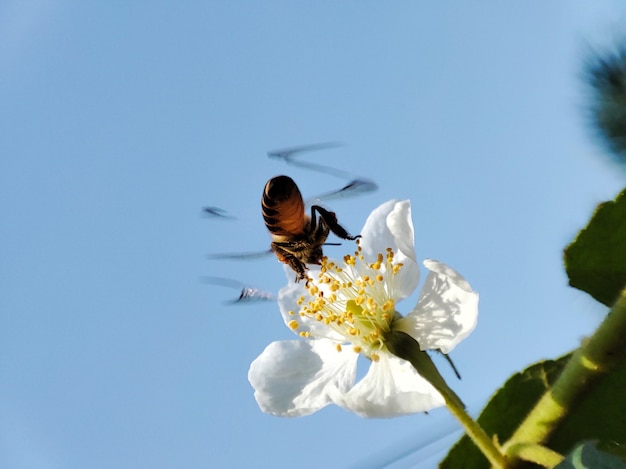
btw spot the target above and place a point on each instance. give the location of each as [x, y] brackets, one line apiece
[596, 261]
[506, 410]
[587, 456]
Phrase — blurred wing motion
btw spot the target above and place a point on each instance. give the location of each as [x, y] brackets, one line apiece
[216, 212]
[247, 294]
[288, 155]
[299, 229]
[241, 255]
[353, 188]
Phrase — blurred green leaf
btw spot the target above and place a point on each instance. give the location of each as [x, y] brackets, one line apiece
[606, 76]
[587, 456]
[596, 261]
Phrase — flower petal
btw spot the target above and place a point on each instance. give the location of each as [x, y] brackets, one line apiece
[446, 312]
[298, 377]
[390, 226]
[391, 388]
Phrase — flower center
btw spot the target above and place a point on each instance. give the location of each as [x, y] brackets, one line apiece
[355, 300]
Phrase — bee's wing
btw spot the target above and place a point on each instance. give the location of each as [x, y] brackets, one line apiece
[216, 212]
[288, 155]
[241, 255]
[247, 294]
[353, 188]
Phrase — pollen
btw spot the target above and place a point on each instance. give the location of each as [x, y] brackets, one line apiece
[338, 347]
[293, 324]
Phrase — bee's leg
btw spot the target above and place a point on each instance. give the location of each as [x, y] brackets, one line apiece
[331, 221]
[286, 257]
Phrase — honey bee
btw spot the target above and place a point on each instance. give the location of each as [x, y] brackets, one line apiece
[297, 238]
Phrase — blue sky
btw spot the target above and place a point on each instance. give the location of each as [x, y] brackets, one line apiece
[121, 120]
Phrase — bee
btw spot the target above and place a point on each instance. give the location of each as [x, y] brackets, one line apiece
[297, 238]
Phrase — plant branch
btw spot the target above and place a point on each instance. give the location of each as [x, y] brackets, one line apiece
[599, 354]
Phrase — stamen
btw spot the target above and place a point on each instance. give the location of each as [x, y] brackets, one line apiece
[353, 299]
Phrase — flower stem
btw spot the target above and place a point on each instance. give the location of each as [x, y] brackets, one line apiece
[406, 347]
[599, 354]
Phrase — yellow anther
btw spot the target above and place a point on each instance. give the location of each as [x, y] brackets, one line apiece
[388, 305]
[291, 313]
[379, 277]
[359, 300]
[293, 324]
[353, 331]
[338, 347]
[375, 357]
[357, 348]
[397, 267]
[319, 317]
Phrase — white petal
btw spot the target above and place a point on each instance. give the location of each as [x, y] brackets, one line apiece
[446, 312]
[390, 226]
[299, 377]
[391, 388]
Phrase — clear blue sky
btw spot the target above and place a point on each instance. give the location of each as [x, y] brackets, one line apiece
[120, 120]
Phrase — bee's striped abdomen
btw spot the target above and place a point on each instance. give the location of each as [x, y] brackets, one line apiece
[283, 207]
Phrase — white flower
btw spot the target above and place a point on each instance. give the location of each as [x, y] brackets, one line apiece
[348, 307]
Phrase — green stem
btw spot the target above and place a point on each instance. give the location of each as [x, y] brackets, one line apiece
[537, 454]
[404, 346]
[597, 355]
